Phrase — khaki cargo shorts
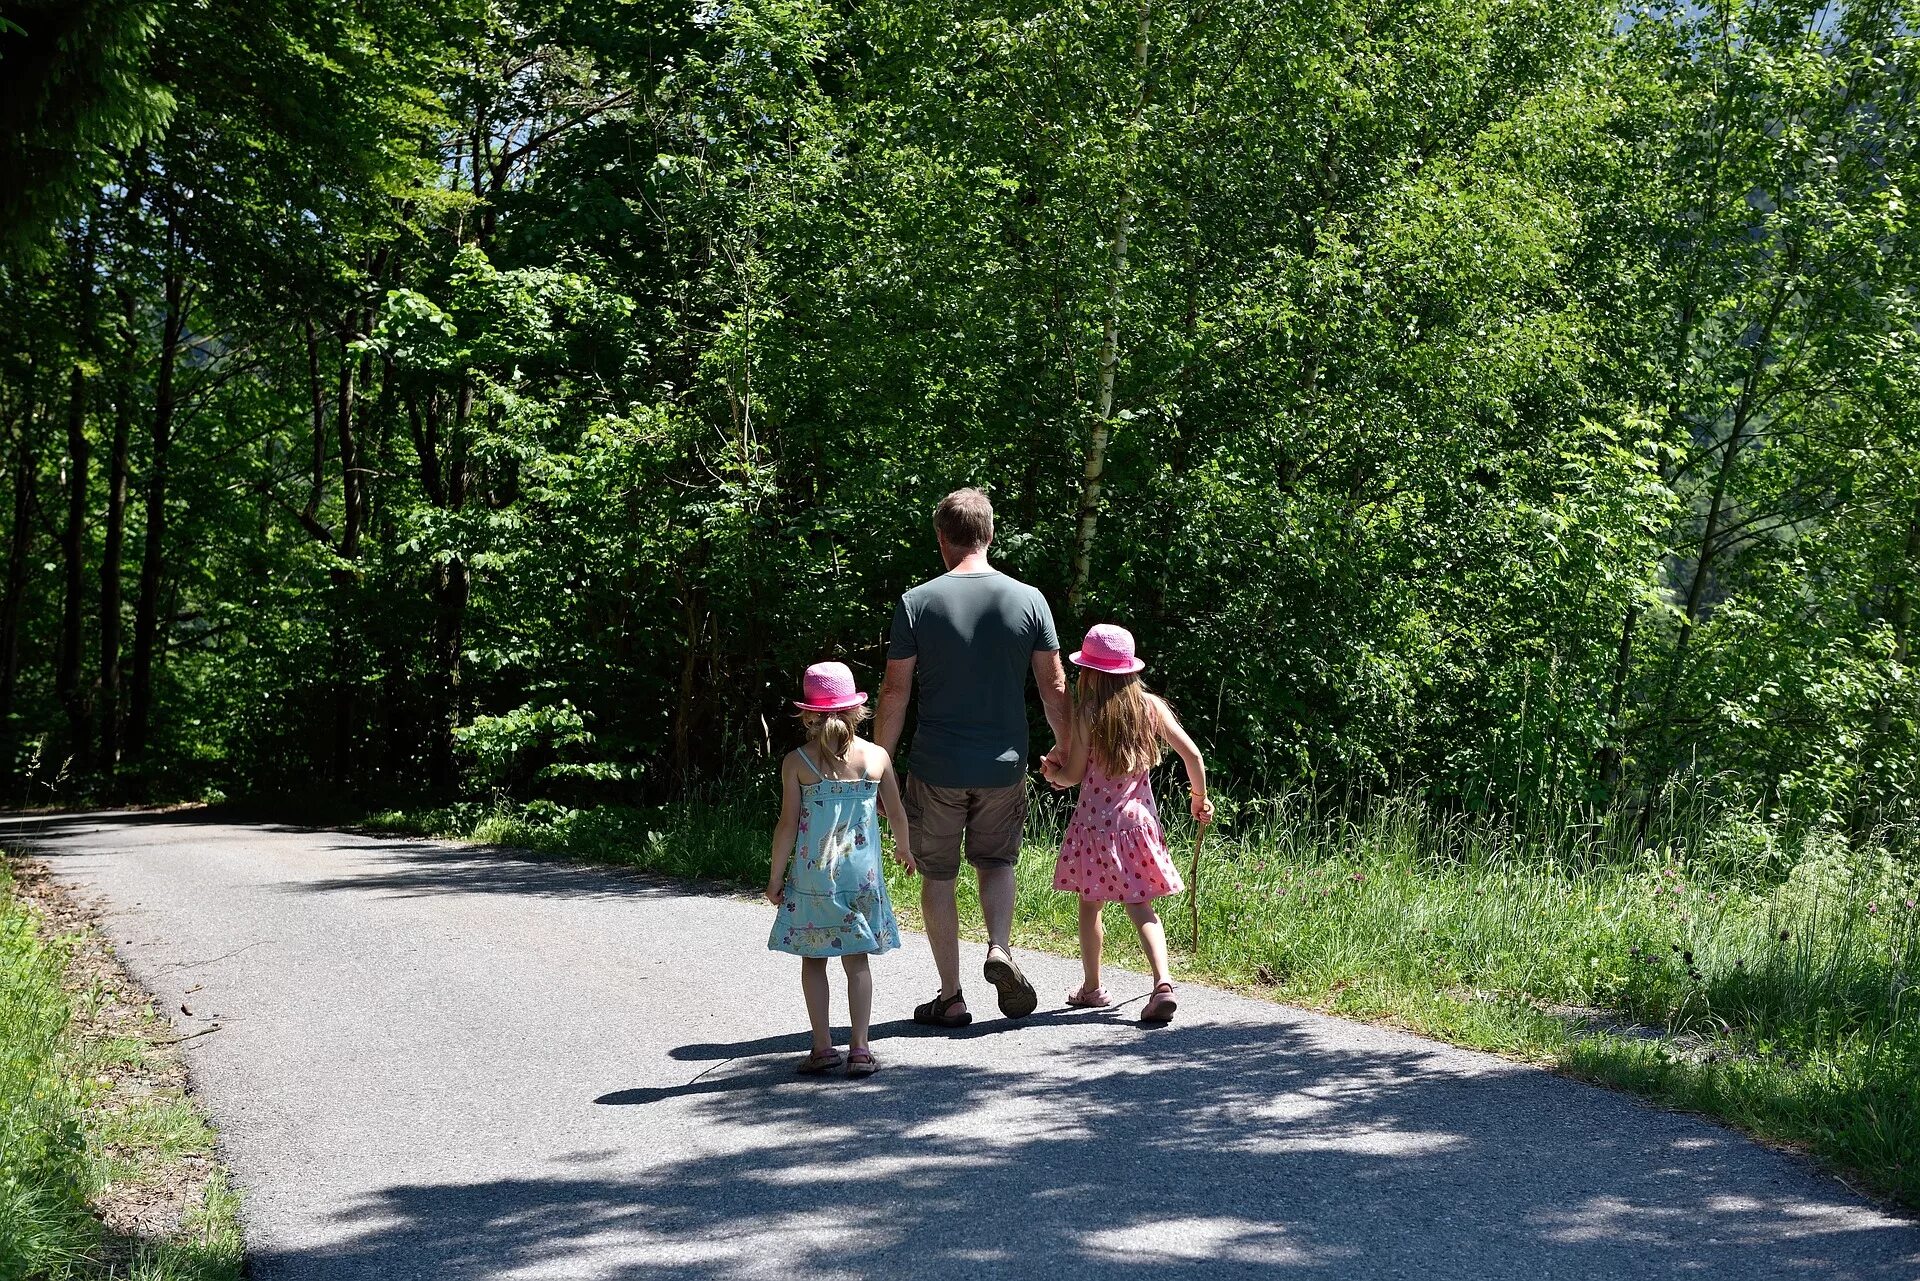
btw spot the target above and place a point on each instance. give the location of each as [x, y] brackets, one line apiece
[990, 819]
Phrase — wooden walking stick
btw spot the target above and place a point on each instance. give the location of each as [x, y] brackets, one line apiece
[1193, 883]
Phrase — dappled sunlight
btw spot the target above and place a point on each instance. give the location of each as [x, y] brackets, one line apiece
[1199, 1240]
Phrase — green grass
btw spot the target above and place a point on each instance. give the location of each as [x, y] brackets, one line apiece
[66, 1135]
[1728, 971]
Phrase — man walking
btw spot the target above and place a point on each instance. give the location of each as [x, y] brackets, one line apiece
[970, 637]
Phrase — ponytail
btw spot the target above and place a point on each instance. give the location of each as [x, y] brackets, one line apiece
[834, 731]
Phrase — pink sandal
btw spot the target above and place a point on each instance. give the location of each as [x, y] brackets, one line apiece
[1081, 999]
[1160, 1006]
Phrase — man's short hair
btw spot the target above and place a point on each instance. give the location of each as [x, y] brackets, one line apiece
[965, 519]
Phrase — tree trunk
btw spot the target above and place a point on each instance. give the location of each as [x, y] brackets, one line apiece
[1612, 755]
[19, 554]
[110, 551]
[146, 614]
[452, 583]
[66, 680]
[1096, 465]
[1709, 545]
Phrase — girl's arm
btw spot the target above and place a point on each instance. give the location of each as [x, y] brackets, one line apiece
[1189, 752]
[1074, 769]
[896, 811]
[785, 830]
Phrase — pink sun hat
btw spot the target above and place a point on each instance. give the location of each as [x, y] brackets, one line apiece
[1108, 648]
[828, 687]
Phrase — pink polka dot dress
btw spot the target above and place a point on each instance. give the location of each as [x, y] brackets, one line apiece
[1115, 850]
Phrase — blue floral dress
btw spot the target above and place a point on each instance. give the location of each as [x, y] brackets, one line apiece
[836, 891]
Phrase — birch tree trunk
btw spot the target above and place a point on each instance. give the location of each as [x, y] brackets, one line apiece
[1091, 476]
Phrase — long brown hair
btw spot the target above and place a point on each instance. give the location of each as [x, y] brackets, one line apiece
[1123, 733]
[834, 731]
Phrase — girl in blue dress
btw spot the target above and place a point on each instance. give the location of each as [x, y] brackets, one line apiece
[832, 899]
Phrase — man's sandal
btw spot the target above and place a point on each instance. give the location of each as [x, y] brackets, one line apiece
[1083, 999]
[1160, 1006]
[1017, 997]
[814, 1064]
[862, 1063]
[939, 1012]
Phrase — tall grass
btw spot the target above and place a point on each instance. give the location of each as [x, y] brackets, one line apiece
[1720, 965]
[44, 1225]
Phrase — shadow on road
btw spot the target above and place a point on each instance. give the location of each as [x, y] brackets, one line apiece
[1218, 1149]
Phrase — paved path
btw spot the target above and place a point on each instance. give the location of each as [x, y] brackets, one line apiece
[442, 1063]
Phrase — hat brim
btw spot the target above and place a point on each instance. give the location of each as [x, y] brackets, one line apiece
[1132, 665]
[840, 706]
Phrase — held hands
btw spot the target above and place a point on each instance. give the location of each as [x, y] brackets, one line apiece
[1052, 764]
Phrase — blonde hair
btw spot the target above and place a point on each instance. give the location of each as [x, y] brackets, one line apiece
[1123, 731]
[835, 731]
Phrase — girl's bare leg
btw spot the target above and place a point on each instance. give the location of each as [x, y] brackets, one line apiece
[813, 983]
[1153, 939]
[1092, 939]
[859, 998]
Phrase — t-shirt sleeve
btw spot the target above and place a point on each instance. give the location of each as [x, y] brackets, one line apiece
[900, 642]
[1046, 640]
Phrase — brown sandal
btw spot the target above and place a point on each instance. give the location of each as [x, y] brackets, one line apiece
[815, 1064]
[936, 1013]
[1017, 997]
[1160, 1006]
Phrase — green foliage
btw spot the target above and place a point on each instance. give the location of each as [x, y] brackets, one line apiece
[1510, 401]
[75, 91]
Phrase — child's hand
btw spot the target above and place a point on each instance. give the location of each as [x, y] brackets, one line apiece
[776, 893]
[1201, 808]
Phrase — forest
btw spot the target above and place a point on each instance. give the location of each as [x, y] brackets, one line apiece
[1510, 403]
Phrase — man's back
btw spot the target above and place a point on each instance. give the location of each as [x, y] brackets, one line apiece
[973, 636]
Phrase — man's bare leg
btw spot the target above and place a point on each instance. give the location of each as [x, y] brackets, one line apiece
[940, 917]
[997, 892]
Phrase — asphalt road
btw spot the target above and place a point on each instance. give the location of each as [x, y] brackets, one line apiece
[445, 1063]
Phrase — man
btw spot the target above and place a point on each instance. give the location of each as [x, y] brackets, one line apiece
[970, 637]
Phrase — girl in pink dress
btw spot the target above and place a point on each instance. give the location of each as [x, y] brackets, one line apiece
[1114, 850]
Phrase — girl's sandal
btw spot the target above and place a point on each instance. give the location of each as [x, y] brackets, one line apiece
[862, 1063]
[1160, 1006]
[814, 1064]
[937, 1012]
[1081, 999]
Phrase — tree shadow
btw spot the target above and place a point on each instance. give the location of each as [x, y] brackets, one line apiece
[410, 866]
[1232, 1149]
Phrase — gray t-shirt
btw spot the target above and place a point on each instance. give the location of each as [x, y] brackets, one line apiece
[975, 636]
